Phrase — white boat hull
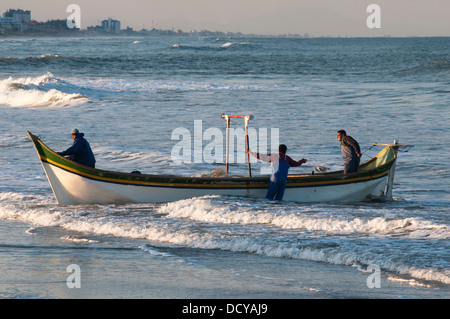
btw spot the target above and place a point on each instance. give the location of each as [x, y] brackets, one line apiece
[73, 189]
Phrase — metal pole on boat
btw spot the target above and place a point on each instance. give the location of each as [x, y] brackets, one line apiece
[227, 118]
[247, 118]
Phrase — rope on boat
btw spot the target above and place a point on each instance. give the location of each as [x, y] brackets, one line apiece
[400, 147]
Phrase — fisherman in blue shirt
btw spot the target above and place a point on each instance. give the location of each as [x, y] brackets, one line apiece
[351, 152]
[280, 166]
[80, 151]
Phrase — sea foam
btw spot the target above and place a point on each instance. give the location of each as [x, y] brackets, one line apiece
[203, 227]
[40, 91]
[206, 209]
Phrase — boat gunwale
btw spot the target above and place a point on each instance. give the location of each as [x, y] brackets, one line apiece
[294, 180]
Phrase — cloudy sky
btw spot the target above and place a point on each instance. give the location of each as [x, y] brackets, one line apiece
[315, 17]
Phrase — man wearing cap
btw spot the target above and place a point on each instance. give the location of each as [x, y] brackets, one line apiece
[80, 151]
[280, 166]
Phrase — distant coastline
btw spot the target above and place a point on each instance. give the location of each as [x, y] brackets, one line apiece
[18, 23]
[136, 34]
[83, 34]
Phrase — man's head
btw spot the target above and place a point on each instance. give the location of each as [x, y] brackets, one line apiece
[282, 148]
[74, 133]
[341, 134]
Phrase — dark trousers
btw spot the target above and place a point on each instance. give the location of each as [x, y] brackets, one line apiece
[352, 166]
[276, 190]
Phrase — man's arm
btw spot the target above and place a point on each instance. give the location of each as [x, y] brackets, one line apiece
[75, 148]
[263, 157]
[295, 163]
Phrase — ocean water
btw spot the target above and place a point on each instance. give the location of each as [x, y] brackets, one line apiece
[129, 94]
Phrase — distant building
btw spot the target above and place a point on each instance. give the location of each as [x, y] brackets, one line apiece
[8, 24]
[111, 26]
[94, 29]
[23, 16]
[55, 27]
[15, 20]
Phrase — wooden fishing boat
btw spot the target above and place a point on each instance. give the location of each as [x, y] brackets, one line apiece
[73, 183]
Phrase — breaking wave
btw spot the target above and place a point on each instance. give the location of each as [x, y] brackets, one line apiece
[214, 222]
[43, 58]
[208, 209]
[39, 91]
[210, 47]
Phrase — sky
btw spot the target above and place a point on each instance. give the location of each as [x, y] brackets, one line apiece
[265, 17]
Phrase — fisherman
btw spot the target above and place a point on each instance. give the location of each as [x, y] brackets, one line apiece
[351, 152]
[280, 166]
[80, 151]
